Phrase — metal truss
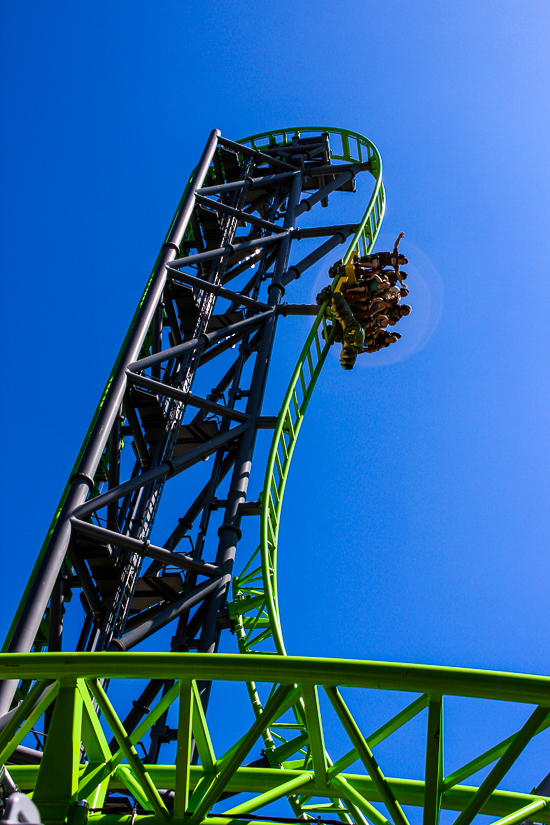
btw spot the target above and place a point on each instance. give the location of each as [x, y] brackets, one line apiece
[217, 285]
[215, 297]
[65, 786]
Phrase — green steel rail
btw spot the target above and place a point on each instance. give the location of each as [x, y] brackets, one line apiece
[66, 788]
[254, 610]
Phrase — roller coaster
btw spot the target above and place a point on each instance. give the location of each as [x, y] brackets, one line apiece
[93, 732]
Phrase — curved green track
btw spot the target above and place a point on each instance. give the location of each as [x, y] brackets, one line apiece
[295, 701]
[255, 609]
[68, 790]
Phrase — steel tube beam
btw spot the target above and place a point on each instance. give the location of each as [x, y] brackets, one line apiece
[321, 171]
[39, 593]
[237, 213]
[258, 780]
[240, 149]
[206, 339]
[230, 531]
[265, 180]
[296, 270]
[145, 548]
[365, 754]
[232, 249]
[114, 467]
[323, 231]
[92, 596]
[219, 290]
[234, 667]
[134, 637]
[172, 317]
[210, 354]
[139, 440]
[174, 467]
[499, 771]
[247, 263]
[307, 203]
[297, 309]
[188, 397]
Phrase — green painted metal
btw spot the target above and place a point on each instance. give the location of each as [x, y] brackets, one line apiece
[412, 678]
[57, 782]
[355, 148]
[61, 783]
[503, 765]
[434, 761]
[367, 758]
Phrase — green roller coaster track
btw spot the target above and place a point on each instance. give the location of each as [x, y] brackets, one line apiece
[294, 700]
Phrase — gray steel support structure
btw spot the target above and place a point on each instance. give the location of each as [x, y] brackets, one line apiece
[101, 540]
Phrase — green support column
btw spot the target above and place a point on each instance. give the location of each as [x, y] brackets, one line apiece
[316, 739]
[366, 756]
[96, 747]
[57, 782]
[434, 761]
[183, 752]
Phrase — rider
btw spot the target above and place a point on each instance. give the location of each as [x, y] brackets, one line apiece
[379, 260]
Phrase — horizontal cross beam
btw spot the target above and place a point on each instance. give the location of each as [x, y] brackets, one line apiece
[187, 397]
[166, 468]
[241, 149]
[145, 548]
[238, 213]
[220, 291]
[265, 180]
[205, 339]
[229, 249]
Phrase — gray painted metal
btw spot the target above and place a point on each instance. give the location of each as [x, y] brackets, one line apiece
[219, 290]
[266, 180]
[174, 335]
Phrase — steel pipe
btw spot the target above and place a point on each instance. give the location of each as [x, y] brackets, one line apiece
[240, 149]
[233, 249]
[188, 397]
[206, 339]
[265, 180]
[173, 467]
[238, 213]
[296, 270]
[134, 637]
[220, 291]
[101, 534]
[234, 667]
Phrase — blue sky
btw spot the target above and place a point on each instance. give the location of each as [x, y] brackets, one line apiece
[416, 523]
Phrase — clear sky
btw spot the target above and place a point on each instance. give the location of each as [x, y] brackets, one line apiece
[416, 521]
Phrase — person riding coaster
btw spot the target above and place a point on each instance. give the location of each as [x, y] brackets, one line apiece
[353, 336]
[379, 260]
[363, 309]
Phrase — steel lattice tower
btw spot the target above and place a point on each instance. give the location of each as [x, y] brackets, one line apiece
[215, 296]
